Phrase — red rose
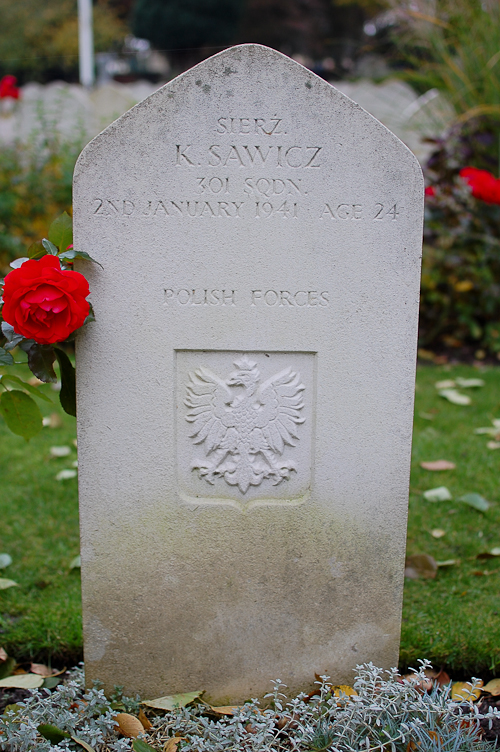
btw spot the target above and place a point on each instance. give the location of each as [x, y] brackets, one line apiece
[44, 302]
[8, 87]
[430, 191]
[483, 184]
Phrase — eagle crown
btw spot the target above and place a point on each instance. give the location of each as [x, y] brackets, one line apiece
[247, 375]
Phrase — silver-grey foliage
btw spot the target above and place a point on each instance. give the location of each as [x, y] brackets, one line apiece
[388, 714]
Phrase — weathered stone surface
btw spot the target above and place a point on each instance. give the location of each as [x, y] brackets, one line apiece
[245, 396]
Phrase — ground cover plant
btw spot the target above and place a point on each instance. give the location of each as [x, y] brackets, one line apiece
[453, 618]
[381, 711]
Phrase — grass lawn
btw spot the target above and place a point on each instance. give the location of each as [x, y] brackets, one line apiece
[454, 620]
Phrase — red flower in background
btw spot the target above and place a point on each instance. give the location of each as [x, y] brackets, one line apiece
[430, 191]
[44, 302]
[483, 184]
[8, 87]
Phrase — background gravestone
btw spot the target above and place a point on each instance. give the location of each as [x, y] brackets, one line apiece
[245, 395]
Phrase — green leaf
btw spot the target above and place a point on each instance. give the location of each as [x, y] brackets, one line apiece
[171, 702]
[72, 254]
[50, 248]
[5, 560]
[13, 339]
[18, 262]
[36, 250]
[475, 500]
[61, 231]
[5, 583]
[41, 362]
[21, 413]
[49, 682]
[67, 395]
[16, 381]
[52, 733]
[22, 681]
[86, 746]
[7, 667]
[6, 358]
[139, 746]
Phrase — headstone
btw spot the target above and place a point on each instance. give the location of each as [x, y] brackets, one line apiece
[245, 395]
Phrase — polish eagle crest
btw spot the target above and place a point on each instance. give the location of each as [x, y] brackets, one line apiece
[243, 425]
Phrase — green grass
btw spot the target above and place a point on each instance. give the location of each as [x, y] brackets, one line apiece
[39, 529]
[454, 620]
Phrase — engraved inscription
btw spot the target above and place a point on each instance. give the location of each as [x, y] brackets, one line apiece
[243, 425]
[199, 296]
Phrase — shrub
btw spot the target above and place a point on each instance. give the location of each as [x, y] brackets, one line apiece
[460, 303]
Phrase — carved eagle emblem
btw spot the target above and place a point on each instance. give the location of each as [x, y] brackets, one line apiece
[243, 425]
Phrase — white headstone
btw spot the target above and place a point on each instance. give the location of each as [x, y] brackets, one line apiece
[245, 395]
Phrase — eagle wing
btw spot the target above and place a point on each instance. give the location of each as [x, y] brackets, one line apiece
[208, 401]
[280, 401]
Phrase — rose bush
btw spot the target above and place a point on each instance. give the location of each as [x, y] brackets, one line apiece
[44, 302]
[483, 185]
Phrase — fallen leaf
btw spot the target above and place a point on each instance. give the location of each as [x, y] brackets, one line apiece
[66, 474]
[42, 670]
[441, 493]
[464, 691]
[493, 445]
[3, 655]
[481, 573]
[438, 465]
[144, 720]
[83, 744]
[171, 702]
[447, 563]
[52, 733]
[455, 397]
[422, 565]
[438, 533]
[225, 709]
[476, 501]
[489, 554]
[469, 383]
[343, 690]
[438, 677]
[60, 451]
[5, 561]
[493, 687]
[22, 681]
[172, 744]
[139, 746]
[446, 384]
[4, 583]
[76, 563]
[128, 725]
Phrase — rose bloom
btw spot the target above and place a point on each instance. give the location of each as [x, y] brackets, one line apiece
[44, 302]
[482, 183]
[8, 87]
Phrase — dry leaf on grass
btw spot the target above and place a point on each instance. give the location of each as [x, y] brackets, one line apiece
[438, 533]
[128, 725]
[3, 655]
[53, 420]
[5, 583]
[5, 561]
[441, 493]
[420, 566]
[465, 691]
[455, 397]
[60, 451]
[437, 465]
[476, 501]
